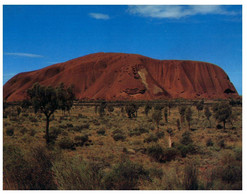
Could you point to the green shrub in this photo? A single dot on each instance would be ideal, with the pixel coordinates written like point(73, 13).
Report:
point(125, 176)
point(10, 131)
point(134, 132)
point(33, 132)
point(221, 144)
point(66, 143)
point(160, 134)
point(186, 138)
point(101, 131)
point(231, 173)
point(138, 131)
point(156, 172)
point(81, 140)
point(151, 138)
point(33, 119)
point(186, 149)
point(156, 152)
point(81, 127)
point(209, 142)
point(170, 154)
point(238, 154)
point(23, 130)
point(143, 130)
point(118, 137)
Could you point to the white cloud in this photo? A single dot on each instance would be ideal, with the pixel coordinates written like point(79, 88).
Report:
point(176, 11)
point(99, 16)
point(30, 55)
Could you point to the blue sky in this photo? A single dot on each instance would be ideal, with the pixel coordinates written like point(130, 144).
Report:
point(37, 36)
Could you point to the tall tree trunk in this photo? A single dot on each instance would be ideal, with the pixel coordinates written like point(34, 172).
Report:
point(209, 123)
point(224, 125)
point(47, 130)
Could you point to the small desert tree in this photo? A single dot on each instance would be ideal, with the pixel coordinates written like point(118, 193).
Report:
point(208, 114)
point(178, 125)
point(148, 107)
point(222, 112)
point(157, 117)
point(65, 97)
point(170, 105)
point(18, 109)
point(199, 106)
point(131, 110)
point(102, 107)
point(182, 110)
point(46, 100)
point(166, 114)
point(110, 108)
point(188, 116)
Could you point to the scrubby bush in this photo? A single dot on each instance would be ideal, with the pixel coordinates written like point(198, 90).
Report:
point(66, 143)
point(190, 176)
point(14, 168)
point(125, 176)
point(30, 173)
point(76, 174)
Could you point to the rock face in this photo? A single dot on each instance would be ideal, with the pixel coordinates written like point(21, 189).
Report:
point(117, 76)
